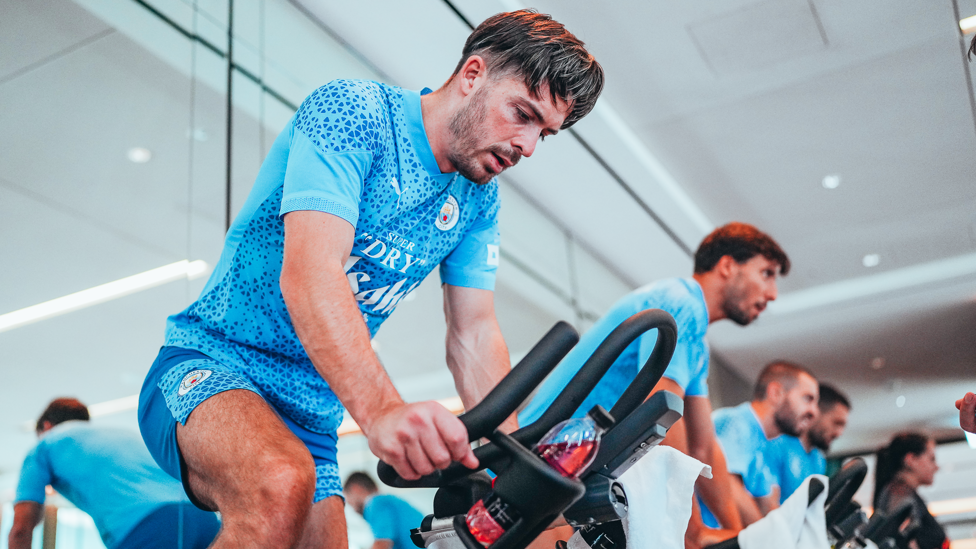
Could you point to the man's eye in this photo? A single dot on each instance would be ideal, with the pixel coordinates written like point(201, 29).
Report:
point(522, 115)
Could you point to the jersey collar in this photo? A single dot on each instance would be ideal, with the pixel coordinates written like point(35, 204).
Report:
point(418, 135)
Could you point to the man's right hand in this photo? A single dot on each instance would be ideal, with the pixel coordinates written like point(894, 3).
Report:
point(417, 439)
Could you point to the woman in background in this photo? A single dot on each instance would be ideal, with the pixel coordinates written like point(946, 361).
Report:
point(905, 464)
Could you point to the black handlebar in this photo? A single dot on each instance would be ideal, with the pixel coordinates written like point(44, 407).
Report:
point(500, 403)
point(842, 488)
point(572, 395)
point(592, 371)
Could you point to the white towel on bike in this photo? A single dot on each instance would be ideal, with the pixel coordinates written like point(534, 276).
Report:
point(797, 524)
point(659, 493)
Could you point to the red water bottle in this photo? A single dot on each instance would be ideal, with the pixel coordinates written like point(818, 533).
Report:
point(569, 448)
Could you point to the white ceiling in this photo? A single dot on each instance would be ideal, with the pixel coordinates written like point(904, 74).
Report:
point(730, 111)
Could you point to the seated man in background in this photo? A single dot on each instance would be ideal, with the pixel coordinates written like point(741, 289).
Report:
point(792, 459)
point(389, 517)
point(109, 474)
point(784, 400)
point(735, 277)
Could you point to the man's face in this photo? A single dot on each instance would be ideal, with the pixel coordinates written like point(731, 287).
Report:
point(499, 124)
point(356, 497)
point(798, 410)
point(829, 426)
point(751, 287)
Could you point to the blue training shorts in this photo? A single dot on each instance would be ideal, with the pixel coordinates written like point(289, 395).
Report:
point(178, 381)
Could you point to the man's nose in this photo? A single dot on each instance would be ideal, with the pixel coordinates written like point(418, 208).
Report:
point(525, 143)
point(771, 291)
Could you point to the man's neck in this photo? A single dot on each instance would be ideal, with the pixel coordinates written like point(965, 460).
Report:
point(805, 441)
point(435, 108)
point(712, 290)
point(766, 414)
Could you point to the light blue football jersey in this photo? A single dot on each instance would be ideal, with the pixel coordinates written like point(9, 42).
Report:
point(106, 472)
point(790, 463)
point(357, 150)
point(744, 443)
point(684, 300)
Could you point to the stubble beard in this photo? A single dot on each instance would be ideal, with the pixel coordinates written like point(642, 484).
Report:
point(467, 129)
point(733, 297)
point(818, 439)
point(786, 421)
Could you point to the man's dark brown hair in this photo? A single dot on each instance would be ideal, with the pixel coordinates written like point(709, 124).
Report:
point(742, 242)
point(540, 51)
point(61, 410)
point(782, 372)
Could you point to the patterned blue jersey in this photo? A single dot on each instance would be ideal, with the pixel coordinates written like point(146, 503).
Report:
point(357, 150)
point(790, 463)
point(684, 300)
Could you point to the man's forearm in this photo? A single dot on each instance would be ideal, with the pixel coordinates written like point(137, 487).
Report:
point(27, 515)
point(717, 492)
point(476, 352)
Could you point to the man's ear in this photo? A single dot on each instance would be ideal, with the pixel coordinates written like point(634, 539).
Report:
point(775, 391)
point(727, 266)
point(473, 75)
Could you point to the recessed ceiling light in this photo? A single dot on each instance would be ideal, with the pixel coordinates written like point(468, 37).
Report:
point(900, 401)
point(871, 260)
point(140, 155)
point(877, 363)
point(968, 24)
point(831, 181)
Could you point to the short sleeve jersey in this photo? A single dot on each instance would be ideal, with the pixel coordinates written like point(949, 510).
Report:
point(391, 518)
point(790, 463)
point(684, 300)
point(357, 150)
point(741, 437)
point(107, 473)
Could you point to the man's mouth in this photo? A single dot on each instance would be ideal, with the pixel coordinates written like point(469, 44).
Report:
point(503, 162)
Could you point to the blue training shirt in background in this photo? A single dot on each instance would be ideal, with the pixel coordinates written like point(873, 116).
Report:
point(790, 463)
point(357, 150)
point(391, 518)
point(106, 472)
point(684, 300)
point(743, 442)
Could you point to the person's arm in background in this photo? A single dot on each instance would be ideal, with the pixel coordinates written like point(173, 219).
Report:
point(770, 502)
point(694, 435)
point(383, 544)
point(746, 505)
point(27, 515)
point(967, 406)
point(476, 352)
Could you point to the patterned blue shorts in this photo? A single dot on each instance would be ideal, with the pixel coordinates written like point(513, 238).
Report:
point(178, 381)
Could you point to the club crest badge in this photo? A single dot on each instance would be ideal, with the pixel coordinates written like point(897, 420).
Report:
point(448, 216)
point(191, 380)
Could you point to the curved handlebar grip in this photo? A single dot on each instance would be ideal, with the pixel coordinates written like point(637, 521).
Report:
point(586, 379)
point(842, 487)
point(515, 387)
point(596, 366)
point(887, 525)
point(481, 420)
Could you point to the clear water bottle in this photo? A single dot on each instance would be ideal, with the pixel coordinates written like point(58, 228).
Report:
point(569, 447)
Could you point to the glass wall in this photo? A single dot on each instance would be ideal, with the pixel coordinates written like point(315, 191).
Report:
point(114, 162)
